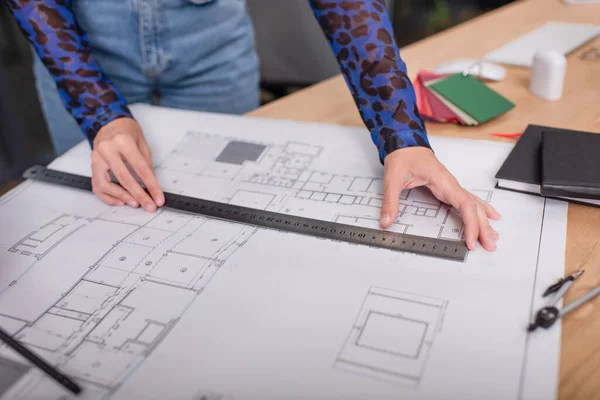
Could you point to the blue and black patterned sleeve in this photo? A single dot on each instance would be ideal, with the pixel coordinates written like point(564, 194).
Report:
point(87, 93)
point(359, 33)
point(361, 37)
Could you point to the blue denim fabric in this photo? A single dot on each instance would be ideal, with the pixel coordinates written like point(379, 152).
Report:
point(192, 54)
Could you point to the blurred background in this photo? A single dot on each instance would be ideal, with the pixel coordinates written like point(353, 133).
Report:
point(286, 32)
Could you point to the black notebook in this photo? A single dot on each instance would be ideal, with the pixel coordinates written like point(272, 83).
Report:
point(571, 164)
point(522, 169)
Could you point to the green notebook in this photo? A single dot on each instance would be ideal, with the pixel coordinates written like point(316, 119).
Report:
point(473, 97)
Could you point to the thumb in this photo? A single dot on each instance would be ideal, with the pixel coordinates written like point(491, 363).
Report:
point(391, 196)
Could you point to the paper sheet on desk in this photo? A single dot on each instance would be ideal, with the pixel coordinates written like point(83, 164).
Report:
point(171, 305)
point(563, 37)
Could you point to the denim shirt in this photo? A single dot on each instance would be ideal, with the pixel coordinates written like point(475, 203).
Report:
point(359, 33)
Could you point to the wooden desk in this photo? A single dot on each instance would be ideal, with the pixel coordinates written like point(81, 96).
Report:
point(330, 101)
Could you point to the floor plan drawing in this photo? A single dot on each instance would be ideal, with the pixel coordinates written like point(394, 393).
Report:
point(103, 326)
point(174, 305)
point(40, 242)
point(281, 178)
point(392, 336)
point(227, 159)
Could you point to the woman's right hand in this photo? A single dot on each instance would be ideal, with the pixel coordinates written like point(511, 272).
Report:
point(119, 142)
point(417, 166)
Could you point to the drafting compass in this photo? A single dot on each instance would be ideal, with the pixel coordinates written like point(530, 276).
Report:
point(548, 315)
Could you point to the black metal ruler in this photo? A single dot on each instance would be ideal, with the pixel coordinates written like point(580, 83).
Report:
point(433, 247)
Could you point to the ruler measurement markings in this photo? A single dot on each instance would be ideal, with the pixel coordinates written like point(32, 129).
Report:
point(433, 247)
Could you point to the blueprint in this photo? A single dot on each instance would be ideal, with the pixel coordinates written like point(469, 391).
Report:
point(179, 306)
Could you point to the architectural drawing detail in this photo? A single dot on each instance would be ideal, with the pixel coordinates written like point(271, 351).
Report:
point(39, 243)
point(281, 178)
point(107, 322)
point(392, 336)
point(115, 296)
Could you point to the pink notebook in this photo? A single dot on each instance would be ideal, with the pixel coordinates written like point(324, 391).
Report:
point(439, 110)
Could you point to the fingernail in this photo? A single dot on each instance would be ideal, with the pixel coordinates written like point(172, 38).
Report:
point(132, 203)
point(160, 200)
point(385, 219)
point(149, 207)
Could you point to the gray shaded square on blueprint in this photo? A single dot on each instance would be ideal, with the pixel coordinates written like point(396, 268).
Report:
point(237, 152)
point(10, 372)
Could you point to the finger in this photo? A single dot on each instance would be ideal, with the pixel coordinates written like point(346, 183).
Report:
point(125, 178)
point(102, 184)
point(489, 210)
point(468, 210)
point(467, 206)
point(143, 169)
point(103, 188)
point(495, 234)
point(111, 201)
point(487, 235)
point(99, 181)
point(118, 192)
point(392, 187)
